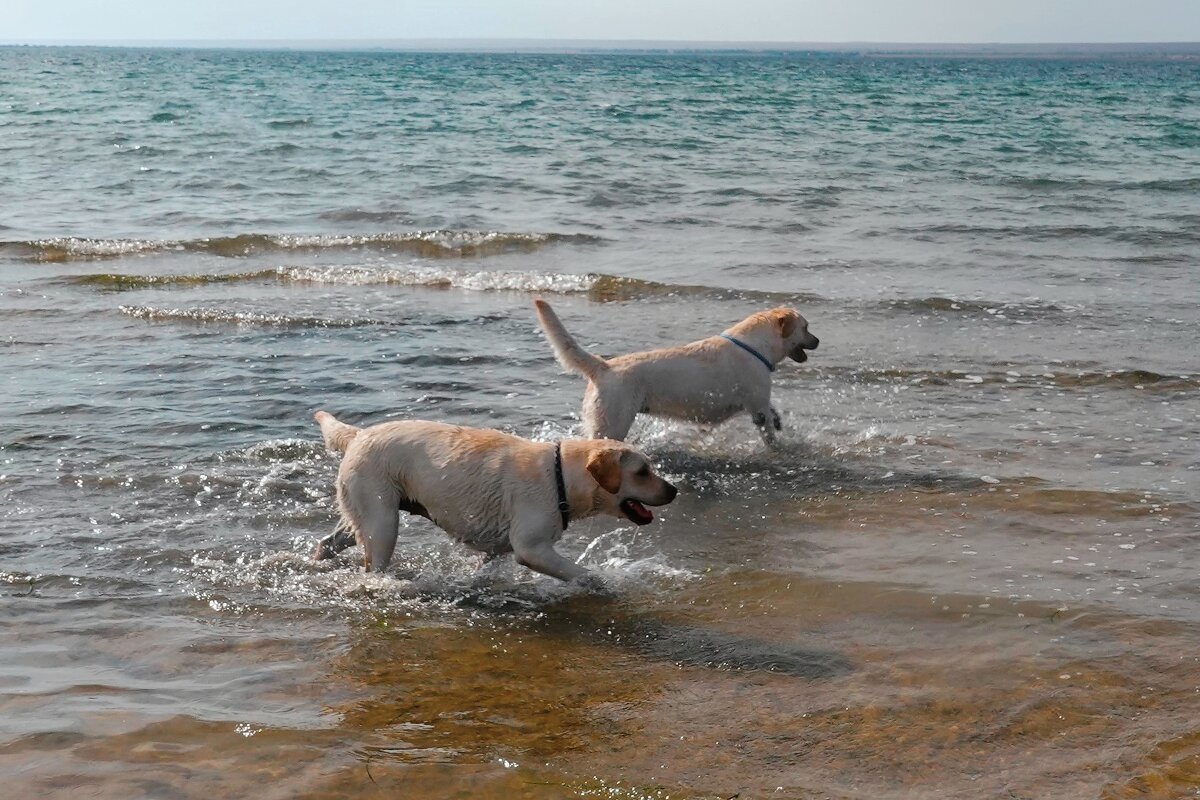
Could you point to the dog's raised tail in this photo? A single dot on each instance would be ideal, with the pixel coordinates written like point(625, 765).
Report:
point(566, 349)
point(337, 434)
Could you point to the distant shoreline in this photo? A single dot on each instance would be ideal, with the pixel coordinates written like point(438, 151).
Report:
point(1134, 50)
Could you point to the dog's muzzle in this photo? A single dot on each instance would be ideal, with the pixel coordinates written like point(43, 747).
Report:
point(798, 353)
point(636, 512)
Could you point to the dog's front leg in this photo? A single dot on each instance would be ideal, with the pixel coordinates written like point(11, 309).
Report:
point(545, 559)
point(768, 422)
point(532, 544)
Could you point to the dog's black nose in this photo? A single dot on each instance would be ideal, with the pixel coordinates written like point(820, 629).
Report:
point(816, 342)
point(671, 492)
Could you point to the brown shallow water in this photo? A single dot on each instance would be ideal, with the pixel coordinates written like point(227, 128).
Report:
point(939, 699)
point(750, 683)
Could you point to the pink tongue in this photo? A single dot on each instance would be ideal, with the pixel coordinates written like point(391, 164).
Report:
point(640, 509)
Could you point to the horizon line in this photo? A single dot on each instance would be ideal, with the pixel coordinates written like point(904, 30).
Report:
point(508, 43)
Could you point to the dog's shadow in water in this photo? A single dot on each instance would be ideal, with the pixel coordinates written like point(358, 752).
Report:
point(607, 622)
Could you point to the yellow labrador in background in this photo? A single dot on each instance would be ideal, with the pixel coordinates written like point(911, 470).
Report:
point(491, 491)
point(706, 381)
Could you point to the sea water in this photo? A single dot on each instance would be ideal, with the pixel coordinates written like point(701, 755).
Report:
point(970, 568)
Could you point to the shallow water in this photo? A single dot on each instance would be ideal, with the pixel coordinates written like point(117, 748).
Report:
point(968, 571)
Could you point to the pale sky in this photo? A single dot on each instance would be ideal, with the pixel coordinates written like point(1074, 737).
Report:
point(926, 21)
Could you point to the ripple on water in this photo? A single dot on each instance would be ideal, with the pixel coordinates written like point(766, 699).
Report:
point(426, 244)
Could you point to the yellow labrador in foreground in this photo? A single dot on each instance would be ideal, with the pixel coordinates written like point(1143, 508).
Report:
point(491, 491)
point(706, 381)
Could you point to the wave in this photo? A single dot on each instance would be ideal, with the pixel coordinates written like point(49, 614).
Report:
point(210, 315)
point(426, 244)
point(598, 286)
point(303, 122)
point(119, 282)
point(1030, 232)
point(1039, 233)
point(1073, 184)
point(476, 280)
point(999, 310)
point(1136, 379)
point(1129, 379)
point(366, 215)
point(430, 277)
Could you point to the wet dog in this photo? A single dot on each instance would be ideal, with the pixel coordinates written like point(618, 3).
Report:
point(492, 491)
point(707, 381)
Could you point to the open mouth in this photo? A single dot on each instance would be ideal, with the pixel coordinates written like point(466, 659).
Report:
point(798, 353)
point(636, 512)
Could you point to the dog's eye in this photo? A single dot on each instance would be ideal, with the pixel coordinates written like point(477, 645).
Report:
point(643, 472)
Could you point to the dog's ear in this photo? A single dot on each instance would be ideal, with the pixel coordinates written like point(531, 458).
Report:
point(605, 466)
point(787, 320)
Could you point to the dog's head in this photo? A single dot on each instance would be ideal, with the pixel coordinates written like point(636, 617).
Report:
point(793, 330)
point(627, 482)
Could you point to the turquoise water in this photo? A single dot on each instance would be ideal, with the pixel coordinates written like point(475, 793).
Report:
point(988, 480)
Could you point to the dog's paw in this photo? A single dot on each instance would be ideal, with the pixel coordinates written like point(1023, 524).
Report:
point(595, 585)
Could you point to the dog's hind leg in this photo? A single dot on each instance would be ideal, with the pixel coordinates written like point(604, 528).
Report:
point(607, 415)
point(341, 538)
point(372, 510)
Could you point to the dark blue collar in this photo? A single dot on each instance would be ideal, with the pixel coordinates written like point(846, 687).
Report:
point(564, 508)
point(770, 367)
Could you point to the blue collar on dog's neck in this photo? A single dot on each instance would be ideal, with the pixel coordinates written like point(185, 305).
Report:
point(770, 367)
point(564, 508)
